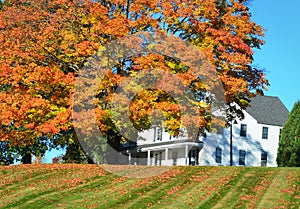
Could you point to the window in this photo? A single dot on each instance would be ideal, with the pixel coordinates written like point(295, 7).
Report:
point(243, 131)
point(280, 133)
point(158, 134)
point(242, 157)
point(264, 158)
point(218, 155)
point(265, 131)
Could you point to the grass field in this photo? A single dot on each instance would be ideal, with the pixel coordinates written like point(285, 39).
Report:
point(90, 186)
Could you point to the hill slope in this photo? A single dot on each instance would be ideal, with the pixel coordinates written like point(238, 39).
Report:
point(89, 186)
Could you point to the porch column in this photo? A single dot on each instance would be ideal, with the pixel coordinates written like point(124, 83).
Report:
point(129, 158)
point(186, 154)
point(166, 153)
point(148, 158)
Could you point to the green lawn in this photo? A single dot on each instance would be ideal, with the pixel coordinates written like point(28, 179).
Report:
point(90, 186)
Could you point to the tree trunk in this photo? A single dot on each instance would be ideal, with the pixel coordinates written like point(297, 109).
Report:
point(113, 149)
point(26, 159)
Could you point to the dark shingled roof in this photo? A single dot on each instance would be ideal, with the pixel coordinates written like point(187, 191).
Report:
point(268, 110)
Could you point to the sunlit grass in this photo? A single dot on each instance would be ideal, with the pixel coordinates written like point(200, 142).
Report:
point(90, 186)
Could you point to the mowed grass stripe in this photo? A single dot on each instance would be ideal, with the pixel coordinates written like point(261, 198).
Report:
point(85, 186)
point(283, 192)
point(42, 191)
point(218, 188)
point(254, 189)
point(72, 196)
point(151, 189)
point(16, 191)
point(54, 182)
point(29, 179)
point(157, 196)
point(248, 190)
point(206, 192)
point(21, 173)
point(102, 196)
point(190, 193)
point(15, 176)
point(54, 195)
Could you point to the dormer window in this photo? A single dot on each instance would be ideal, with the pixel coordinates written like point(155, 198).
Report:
point(158, 133)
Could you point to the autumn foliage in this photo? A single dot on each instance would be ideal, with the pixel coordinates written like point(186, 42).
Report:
point(44, 44)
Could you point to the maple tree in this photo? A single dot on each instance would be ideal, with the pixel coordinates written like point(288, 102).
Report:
point(44, 44)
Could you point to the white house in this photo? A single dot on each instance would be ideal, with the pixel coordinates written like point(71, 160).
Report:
point(254, 141)
point(157, 147)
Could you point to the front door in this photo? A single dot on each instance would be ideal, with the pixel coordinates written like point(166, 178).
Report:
point(194, 157)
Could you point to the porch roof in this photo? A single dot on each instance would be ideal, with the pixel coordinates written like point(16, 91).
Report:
point(169, 144)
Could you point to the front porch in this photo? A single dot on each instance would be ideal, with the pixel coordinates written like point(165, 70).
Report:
point(179, 152)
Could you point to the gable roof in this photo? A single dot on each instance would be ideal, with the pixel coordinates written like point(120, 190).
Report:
point(268, 110)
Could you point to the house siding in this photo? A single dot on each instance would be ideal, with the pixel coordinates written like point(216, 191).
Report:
point(253, 144)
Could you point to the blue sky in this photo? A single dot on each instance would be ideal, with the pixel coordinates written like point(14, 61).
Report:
point(280, 56)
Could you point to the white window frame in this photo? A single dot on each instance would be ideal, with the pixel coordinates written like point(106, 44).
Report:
point(264, 159)
point(242, 131)
point(265, 134)
point(218, 156)
point(242, 157)
point(158, 133)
